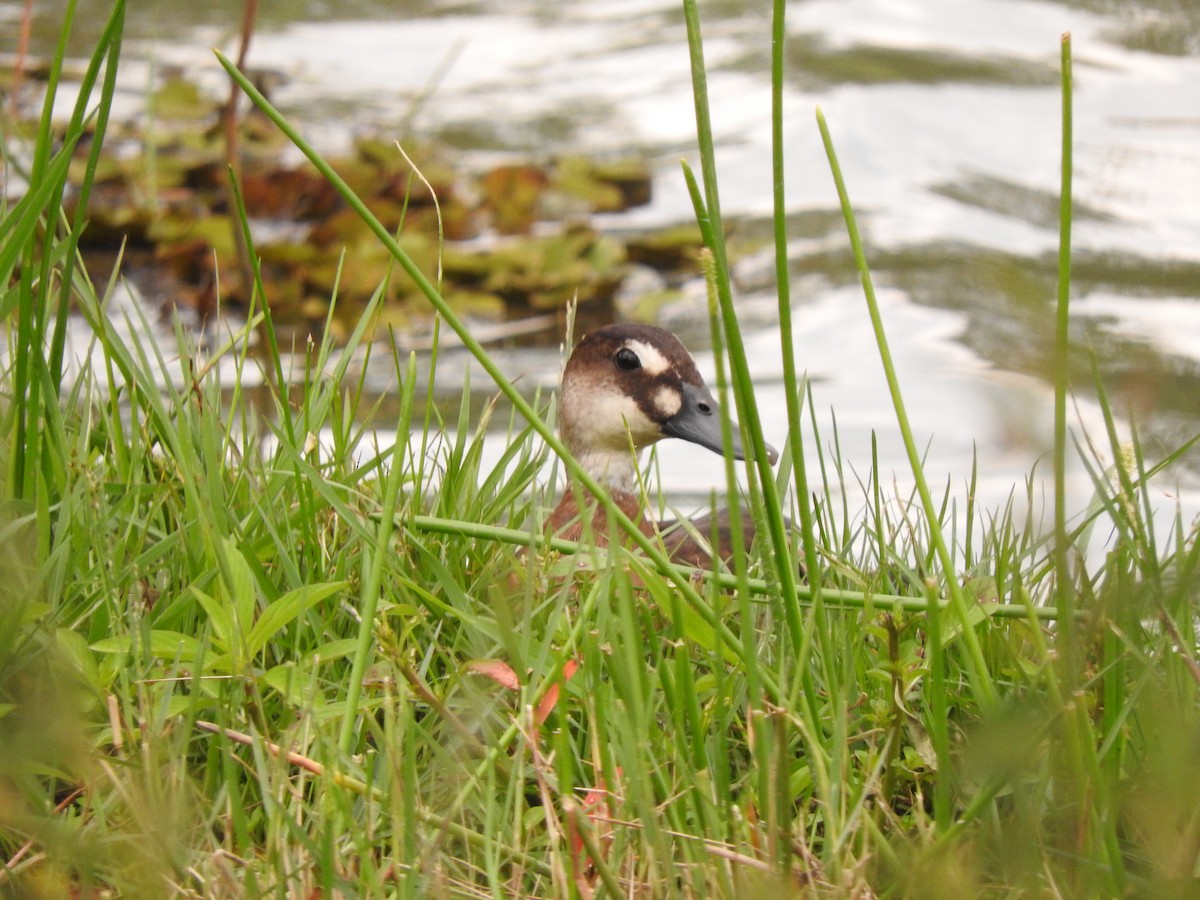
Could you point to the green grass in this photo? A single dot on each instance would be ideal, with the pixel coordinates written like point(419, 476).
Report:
point(950, 704)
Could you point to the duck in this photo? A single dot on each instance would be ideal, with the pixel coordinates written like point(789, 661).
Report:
point(625, 387)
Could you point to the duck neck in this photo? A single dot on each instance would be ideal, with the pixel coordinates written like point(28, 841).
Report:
point(615, 470)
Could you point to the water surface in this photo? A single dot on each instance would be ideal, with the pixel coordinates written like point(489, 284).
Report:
point(946, 115)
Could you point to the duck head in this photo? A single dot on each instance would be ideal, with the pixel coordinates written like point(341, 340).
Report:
point(632, 385)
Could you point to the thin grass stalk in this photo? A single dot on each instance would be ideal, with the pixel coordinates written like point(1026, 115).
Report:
point(792, 394)
point(1104, 765)
point(259, 293)
point(1146, 531)
point(373, 563)
point(232, 150)
point(19, 226)
point(434, 354)
point(26, 384)
point(37, 365)
point(758, 722)
point(977, 667)
point(1064, 597)
point(1084, 781)
point(266, 328)
point(125, 445)
point(736, 525)
point(1121, 511)
point(42, 149)
point(708, 216)
point(939, 731)
point(34, 310)
point(110, 45)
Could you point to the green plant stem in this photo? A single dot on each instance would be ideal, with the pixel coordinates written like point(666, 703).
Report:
point(708, 217)
point(841, 598)
point(793, 394)
point(1064, 596)
point(373, 564)
point(110, 46)
point(939, 724)
point(977, 668)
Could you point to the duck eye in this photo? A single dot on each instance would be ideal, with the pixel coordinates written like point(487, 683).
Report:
point(628, 360)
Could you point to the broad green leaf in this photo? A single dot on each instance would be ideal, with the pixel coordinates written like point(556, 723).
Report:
point(334, 650)
point(295, 685)
point(284, 610)
point(74, 646)
point(220, 616)
point(240, 587)
point(163, 644)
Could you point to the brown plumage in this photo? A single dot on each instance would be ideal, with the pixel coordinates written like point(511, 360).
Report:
point(624, 388)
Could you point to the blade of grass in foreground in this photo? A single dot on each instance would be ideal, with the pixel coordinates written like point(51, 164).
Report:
point(977, 667)
point(373, 563)
point(797, 668)
point(792, 393)
point(108, 53)
point(40, 317)
point(1064, 593)
point(708, 216)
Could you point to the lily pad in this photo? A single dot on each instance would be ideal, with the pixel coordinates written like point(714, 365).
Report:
point(176, 98)
point(547, 272)
point(296, 194)
point(612, 186)
point(671, 249)
point(216, 232)
point(513, 196)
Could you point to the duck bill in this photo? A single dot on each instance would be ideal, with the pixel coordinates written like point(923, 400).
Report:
point(699, 422)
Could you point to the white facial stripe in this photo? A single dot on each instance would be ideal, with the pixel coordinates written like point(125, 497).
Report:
point(667, 401)
point(653, 362)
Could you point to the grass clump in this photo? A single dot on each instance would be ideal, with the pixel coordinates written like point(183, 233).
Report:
point(251, 654)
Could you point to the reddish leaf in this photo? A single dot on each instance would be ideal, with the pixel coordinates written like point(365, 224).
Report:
point(570, 667)
point(497, 670)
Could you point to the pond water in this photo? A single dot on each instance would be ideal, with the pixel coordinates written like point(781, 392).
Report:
point(946, 117)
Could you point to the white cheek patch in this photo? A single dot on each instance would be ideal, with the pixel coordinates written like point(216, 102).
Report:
point(653, 362)
point(667, 402)
point(612, 419)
